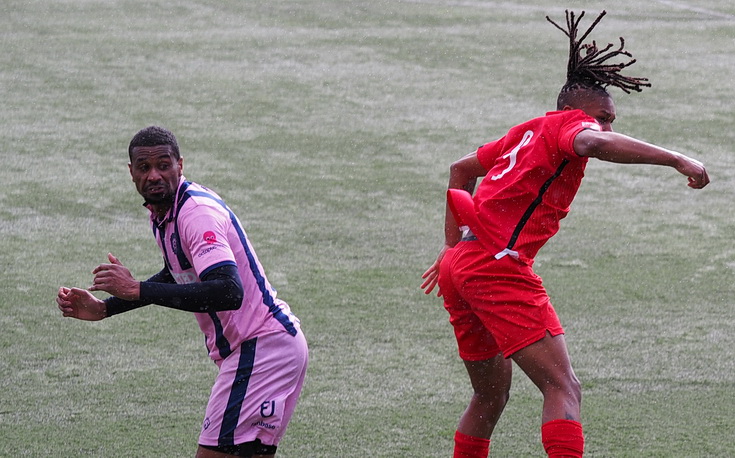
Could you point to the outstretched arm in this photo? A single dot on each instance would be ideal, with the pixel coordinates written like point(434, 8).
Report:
point(81, 304)
point(614, 147)
point(463, 174)
point(220, 289)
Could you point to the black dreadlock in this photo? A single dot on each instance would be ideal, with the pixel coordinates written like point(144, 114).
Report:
point(588, 68)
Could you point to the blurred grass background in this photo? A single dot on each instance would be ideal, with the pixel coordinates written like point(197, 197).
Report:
point(328, 127)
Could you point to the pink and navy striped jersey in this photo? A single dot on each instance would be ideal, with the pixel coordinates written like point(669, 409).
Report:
point(201, 233)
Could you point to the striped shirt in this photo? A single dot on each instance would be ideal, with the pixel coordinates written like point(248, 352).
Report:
point(201, 233)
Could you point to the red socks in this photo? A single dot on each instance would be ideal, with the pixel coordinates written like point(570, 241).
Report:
point(470, 447)
point(563, 438)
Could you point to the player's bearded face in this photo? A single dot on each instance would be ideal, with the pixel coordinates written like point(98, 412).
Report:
point(156, 174)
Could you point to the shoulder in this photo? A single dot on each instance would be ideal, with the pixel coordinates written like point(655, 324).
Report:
point(198, 199)
point(567, 117)
point(567, 125)
point(197, 194)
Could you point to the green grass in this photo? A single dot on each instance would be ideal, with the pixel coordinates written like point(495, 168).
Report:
point(328, 126)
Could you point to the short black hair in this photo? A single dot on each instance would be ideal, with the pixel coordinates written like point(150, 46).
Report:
point(154, 136)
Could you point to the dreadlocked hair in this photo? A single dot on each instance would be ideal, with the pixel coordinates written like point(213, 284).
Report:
point(588, 67)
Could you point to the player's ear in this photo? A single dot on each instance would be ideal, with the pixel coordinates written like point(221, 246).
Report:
point(130, 168)
point(181, 166)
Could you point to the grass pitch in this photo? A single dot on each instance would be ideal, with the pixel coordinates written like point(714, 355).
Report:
point(328, 126)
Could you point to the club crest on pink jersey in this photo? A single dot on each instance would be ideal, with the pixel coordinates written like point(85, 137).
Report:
point(174, 240)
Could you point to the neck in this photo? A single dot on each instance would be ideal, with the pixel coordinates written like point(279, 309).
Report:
point(159, 210)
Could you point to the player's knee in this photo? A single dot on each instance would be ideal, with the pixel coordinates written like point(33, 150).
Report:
point(493, 394)
point(575, 388)
point(567, 386)
point(504, 398)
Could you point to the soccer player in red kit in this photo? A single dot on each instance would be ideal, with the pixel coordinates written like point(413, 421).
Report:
point(497, 305)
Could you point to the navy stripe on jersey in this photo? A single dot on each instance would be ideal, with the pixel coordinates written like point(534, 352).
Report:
point(237, 392)
point(176, 239)
point(536, 202)
point(184, 186)
point(260, 280)
point(160, 232)
point(223, 345)
point(162, 236)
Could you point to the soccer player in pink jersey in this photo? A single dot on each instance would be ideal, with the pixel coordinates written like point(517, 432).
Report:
point(497, 305)
point(210, 269)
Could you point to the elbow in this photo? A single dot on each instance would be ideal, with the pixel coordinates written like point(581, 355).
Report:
point(456, 169)
point(238, 300)
point(463, 175)
point(462, 167)
point(229, 298)
point(234, 296)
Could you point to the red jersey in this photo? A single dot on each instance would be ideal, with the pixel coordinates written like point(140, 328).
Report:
point(533, 176)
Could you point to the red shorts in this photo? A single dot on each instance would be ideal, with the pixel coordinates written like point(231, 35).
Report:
point(495, 305)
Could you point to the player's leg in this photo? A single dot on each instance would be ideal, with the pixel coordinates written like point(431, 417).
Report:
point(491, 381)
point(510, 301)
point(489, 372)
point(515, 307)
point(546, 362)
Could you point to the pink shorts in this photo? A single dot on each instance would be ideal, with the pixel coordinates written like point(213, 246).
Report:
point(256, 390)
point(494, 305)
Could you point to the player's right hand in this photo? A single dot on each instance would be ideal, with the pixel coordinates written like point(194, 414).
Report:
point(431, 276)
point(80, 304)
point(116, 279)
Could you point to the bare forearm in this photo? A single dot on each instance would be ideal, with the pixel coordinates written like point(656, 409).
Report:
point(614, 147)
point(452, 233)
point(463, 174)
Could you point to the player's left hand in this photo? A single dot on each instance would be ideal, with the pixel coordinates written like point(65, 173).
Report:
point(80, 304)
point(694, 170)
point(116, 279)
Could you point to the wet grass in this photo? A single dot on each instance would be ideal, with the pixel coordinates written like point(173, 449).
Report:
point(328, 126)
